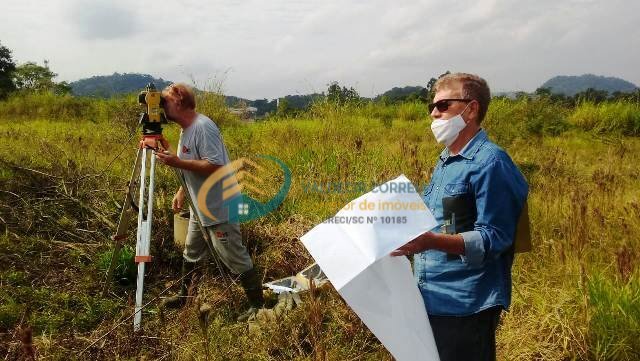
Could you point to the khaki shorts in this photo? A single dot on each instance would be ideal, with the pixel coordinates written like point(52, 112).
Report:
point(227, 243)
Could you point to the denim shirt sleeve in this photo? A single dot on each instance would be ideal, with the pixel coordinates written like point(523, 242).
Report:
point(500, 192)
point(473, 248)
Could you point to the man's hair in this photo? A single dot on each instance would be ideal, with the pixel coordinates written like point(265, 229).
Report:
point(182, 93)
point(473, 87)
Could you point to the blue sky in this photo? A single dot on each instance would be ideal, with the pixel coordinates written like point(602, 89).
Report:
point(258, 49)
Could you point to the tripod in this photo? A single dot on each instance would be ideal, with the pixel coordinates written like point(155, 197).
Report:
point(144, 167)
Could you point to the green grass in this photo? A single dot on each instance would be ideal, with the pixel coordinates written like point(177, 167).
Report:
point(614, 325)
point(125, 269)
point(576, 296)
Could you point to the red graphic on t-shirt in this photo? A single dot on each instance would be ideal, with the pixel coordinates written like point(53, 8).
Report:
point(185, 150)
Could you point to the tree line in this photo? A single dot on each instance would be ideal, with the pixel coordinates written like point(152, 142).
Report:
point(29, 76)
point(33, 77)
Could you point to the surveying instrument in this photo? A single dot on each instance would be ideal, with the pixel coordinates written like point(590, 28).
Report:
point(151, 120)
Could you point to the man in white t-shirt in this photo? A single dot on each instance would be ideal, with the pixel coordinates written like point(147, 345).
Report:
point(201, 152)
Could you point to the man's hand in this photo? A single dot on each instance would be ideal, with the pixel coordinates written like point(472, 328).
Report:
point(178, 201)
point(416, 245)
point(168, 158)
point(449, 243)
point(155, 143)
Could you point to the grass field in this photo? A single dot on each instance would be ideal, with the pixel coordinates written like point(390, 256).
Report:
point(64, 163)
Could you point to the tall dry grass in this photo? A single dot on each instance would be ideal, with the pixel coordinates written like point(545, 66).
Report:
point(576, 296)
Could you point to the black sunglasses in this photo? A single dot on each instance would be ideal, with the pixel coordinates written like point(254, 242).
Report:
point(444, 104)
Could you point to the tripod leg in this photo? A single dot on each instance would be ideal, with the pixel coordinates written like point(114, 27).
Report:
point(152, 176)
point(123, 222)
point(144, 231)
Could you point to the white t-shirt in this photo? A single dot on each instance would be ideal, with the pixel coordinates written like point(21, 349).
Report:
point(202, 140)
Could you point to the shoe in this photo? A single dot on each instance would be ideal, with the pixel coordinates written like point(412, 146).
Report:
point(250, 281)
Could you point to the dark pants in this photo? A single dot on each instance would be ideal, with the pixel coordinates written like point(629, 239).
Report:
point(467, 338)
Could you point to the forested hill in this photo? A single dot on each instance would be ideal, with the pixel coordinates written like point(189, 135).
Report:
point(571, 85)
point(105, 86)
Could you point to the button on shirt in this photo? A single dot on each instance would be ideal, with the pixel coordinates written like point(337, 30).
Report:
point(481, 278)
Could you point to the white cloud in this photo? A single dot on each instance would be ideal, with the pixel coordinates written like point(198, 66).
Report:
point(271, 48)
point(103, 19)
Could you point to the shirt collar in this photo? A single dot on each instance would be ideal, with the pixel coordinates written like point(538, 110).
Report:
point(470, 149)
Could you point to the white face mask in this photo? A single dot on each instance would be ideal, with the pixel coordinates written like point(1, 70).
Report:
point(446, 131)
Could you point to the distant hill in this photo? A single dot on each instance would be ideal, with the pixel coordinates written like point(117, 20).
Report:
point(396, 94)
point(571, 85)
point(105, 86)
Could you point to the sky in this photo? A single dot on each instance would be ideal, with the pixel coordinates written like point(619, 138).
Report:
point(266, 49)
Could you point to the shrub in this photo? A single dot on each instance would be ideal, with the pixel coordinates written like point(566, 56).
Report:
point(511, 119)
point(618, 117)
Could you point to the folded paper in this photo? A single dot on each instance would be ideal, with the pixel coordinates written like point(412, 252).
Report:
point(353, 247)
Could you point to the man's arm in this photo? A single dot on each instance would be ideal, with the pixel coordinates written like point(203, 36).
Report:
point(178, 200)
point(449, 243)
point(501, 192)
point(200, 166)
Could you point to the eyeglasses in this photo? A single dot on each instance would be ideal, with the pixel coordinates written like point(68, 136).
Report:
point(444, 104)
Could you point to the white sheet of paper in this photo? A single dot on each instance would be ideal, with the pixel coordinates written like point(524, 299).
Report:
point(387, 300)
point(379, 288)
